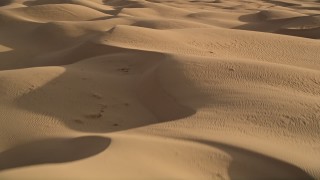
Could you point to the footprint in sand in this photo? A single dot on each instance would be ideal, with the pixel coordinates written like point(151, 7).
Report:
point(96, 95)
point(94, 116)
point(125, 70)
point(78, 121)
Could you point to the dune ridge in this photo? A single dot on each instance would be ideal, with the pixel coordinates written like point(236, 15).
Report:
point(159, 89)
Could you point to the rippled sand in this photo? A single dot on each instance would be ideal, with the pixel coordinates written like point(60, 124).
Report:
point(159, 89)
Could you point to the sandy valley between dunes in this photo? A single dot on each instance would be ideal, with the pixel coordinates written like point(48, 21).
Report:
point(159, 89)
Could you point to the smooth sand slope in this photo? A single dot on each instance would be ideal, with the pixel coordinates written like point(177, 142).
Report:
point(159, 89)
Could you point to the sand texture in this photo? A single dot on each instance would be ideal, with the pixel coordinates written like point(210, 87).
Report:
point(159, 89)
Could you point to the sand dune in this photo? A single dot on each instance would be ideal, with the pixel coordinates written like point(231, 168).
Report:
point(159, 89)
point(52, 151)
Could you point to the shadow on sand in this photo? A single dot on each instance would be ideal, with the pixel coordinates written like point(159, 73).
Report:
point(248, 164)
point(55, 150)
point(107, 93)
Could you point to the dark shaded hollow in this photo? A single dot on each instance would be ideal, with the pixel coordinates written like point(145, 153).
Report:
point(51, 151)
point(101, 120)
point(5, 2)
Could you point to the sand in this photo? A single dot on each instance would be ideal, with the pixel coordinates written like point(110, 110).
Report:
point(159, 89)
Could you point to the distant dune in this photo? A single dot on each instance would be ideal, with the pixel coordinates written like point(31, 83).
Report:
point(159, 89)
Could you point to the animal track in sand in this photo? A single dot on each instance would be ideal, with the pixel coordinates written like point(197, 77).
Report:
point(32, 87)
point(96, 95)
point(125, 70)
point(126, 104)
point(100, 113)
point(78, 121)
point(94, 116)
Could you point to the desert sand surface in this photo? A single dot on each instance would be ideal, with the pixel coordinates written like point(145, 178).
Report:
point(159, 89)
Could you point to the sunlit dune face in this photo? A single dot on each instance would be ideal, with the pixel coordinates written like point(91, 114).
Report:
point(160, 89)
point(4, 48)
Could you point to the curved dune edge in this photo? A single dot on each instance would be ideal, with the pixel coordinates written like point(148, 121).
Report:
point(52, 151)
point(158, 101)
point(219, 160)
point(247, 164)
point(223, 89)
